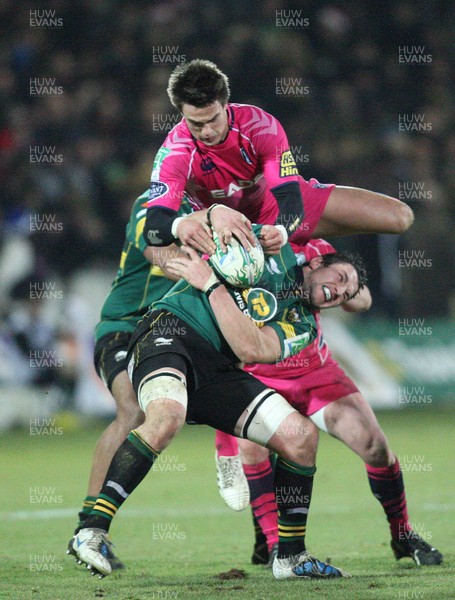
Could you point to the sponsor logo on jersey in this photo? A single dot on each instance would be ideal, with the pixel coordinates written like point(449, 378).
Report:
point(295, 344)
point(245, 156)
point(207, 165)
point(239, 298)
point(262, 304)
point(319, 185)
point(233, 188)
point(153, 237)
point(157, 189)
point(287, 165)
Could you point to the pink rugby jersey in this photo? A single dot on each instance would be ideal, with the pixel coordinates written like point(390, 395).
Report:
point(240, 172)
point(316, 353)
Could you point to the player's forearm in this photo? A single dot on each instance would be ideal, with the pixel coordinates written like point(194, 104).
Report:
point(158, 226)
point(248, 342)
point(159, 256)
point(290, 206)
point(360, 303)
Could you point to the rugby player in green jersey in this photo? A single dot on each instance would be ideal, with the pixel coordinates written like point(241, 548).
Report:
point(141, 279)
point(183, 361)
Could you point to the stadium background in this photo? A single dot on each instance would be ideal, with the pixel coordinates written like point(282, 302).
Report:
point(363, 92)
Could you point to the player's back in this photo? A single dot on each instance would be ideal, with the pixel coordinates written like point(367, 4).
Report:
point(138, 283)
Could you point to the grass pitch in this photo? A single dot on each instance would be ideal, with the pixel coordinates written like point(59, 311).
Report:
point(176, 535)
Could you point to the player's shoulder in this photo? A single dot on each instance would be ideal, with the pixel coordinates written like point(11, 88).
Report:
point(253, 119)
point(179, 140)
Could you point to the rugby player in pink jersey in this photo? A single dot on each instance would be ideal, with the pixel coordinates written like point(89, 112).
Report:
point(314, 384)
point(228, 155)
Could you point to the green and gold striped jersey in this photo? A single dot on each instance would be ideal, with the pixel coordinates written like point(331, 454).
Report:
point(276, 301)
point(138, 283)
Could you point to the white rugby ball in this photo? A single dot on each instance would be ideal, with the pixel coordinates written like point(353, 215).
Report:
point(237, 266)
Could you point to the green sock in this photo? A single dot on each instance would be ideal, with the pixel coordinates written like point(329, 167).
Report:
point(293, 487)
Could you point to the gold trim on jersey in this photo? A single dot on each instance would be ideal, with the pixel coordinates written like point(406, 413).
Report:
point(139, 230)
point(124, 256)
point(288, 329)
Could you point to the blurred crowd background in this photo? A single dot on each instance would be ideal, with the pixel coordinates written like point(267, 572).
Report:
point(111, 60)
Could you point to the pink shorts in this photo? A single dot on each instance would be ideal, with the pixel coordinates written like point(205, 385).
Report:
point(311, 391)
point(315, 196)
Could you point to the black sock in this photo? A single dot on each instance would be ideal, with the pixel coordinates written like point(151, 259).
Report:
point(262, 499)
point(129, 466)
point(387, 486)
point(258, 534)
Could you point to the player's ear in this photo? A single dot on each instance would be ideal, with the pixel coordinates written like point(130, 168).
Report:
point(315, 262)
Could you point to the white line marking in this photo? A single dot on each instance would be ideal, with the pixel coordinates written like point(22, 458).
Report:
point(63, 513)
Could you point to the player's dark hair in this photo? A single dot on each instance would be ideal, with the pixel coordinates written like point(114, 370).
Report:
point(353, 259)
point(199, 83)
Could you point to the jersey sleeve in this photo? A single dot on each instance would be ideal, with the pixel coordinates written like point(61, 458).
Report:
point(135, 226)
point(296, 329)
point(280, 170)
point(274, 153)
point(170, 173)
point(169, 176)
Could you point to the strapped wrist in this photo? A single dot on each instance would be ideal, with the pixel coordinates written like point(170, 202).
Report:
point(213, 287)
point(284, 234)
point(212, 280)
point(209, 211)
point(175, 224)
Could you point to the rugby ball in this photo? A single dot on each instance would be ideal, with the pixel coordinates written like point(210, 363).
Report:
point(237, 266)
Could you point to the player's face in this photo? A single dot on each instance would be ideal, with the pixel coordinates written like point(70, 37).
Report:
point(209, 124)
point(327, 287)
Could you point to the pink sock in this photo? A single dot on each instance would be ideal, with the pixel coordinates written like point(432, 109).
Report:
point(226, 445)
point(262, 499)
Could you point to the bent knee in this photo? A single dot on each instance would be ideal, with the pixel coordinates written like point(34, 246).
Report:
point(252, 453)
point(297, 439)
point(130, 416)
point(376, 451)
point(161, 424)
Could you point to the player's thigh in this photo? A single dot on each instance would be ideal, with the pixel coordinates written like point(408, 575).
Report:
point(315, 196)
point(351, 420)
point(124, 395)
point(349, 210)
point(110, 364)
point(159, 382)
point(110, 356)
point(239, 404)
